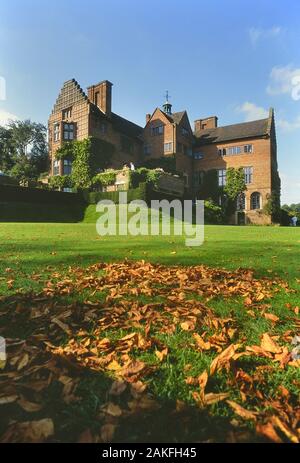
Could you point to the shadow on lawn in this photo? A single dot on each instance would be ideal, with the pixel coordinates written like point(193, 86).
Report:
point(78, 399)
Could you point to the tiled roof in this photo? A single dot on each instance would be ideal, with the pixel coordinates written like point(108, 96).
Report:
point(175, 117)
point(233, 132)
point(125, 126)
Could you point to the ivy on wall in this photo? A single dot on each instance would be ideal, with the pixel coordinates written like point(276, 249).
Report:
point(88, 156)
point(61, 181)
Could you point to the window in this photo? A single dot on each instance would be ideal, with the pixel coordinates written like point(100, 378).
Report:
point(56, 132)
point(184, 131)
point(159, 130)
point(222, 177)
point(56, 168)
point(198, 178)
point(179, 147)
point(147, 149)
point(67, 167)
point(248, 171)
point(255, 201)
point(233, 150)
point(67, 113)
point(68, 131)
point(248, 149)
point(198, 155)
point(241, 202)
point(222, 152)
point(67, 190)
point(96, 98)
point(168, 147)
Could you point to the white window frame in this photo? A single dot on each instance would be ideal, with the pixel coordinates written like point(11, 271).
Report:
point(221, 177)
point(56, 131)
point(248, 171)
point(168, 147)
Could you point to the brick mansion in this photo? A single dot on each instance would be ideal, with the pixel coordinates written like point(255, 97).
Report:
point(195, 150)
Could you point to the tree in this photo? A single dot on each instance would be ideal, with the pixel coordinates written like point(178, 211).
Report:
point(6, 150)
point(23, 149)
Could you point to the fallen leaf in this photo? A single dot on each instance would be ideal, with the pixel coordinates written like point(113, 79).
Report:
point(242, 412)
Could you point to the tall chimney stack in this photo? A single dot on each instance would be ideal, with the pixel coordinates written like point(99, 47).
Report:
point(101, 95)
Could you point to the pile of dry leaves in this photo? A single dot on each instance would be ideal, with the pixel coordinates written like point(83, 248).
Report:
point(65, 339)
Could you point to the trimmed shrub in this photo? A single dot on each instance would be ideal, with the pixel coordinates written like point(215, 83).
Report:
point(37, 195)
point(132, 194)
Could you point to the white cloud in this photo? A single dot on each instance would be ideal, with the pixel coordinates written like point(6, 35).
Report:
point(290, 188)
point(252, 112)
point(282, 79)
point(288, 126)
point(257, 33)
point(5, 117)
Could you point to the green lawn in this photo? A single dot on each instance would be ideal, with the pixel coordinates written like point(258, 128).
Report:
point(33, 253)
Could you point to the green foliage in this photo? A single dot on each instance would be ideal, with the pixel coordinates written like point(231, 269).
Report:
point(212, 214)
point(167, 163)
point(144, 175)
point(88, 157)
point(40, 212)
point(106, 178)
point(272, 206)
point(23, 150)
point(61, 181)
point(132, 194)
point(285, 218)
point(37, 195)
point(66, 151)
point(235, 183)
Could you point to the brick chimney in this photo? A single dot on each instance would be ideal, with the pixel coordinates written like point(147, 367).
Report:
point(207, 123)
point(100, 95)
point(148, 117)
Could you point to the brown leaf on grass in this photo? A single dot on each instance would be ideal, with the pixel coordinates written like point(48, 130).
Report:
point(200, 342)
point(202, 380)
point(86, 437)
point(241, 411)
point(272, 317)
point(267, 430)
point(117, 388)
point(269, 345)
point(290, 434)
point(187, 325)
point(212, 398)
point(223, 360)
point(8, 399)
point(107, 432)
point(23, 361)
point(161, 354)
point(30, 407)
point(191, 381)
point(61, 325)
point(112, 409)
point(29, 431)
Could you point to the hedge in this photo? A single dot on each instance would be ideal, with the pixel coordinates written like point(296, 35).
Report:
point(40, 212)
point(132, 194)
point(37, 195)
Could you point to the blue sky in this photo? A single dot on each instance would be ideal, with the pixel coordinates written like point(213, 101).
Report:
point(229, 58)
